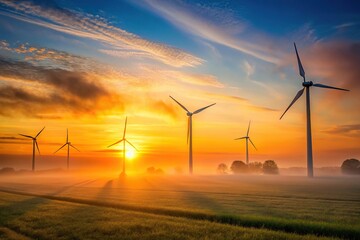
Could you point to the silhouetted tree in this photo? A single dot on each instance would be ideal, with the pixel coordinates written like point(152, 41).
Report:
point(222, 168)
point(255, 167)
point(153, 170)
point(350, 166)
point(238, 167)
point(7, 170)
point(159, 171)
point(150, 170)
point(270, 167)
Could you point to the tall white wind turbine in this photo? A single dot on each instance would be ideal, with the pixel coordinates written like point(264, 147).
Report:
point(189, 131)
point(124, 140)
point(306, 86)
point(247, 138)
point(68, 147)
point(34, 139)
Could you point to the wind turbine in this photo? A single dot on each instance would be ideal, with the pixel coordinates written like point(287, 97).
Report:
point(247, 138)
point(307, 85)
point(68, 147)
point(189, 132)
point(124, 140)
point(34, 143)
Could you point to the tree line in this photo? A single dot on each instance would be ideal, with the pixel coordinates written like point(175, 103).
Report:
point(239, 167)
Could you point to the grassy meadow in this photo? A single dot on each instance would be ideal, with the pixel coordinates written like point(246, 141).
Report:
point(73, 206)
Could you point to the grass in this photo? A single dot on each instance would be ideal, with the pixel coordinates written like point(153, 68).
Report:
point(39, 218)
point(293, 206)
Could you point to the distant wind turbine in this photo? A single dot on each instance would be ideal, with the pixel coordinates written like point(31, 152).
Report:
point(68, 147)
point(123, 173)
point(189, 131)
point(307, 86)
point(34, 143)
point(247, 138)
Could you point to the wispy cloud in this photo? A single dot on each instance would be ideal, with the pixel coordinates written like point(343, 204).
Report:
point(96, 28)
point(213, 24)
point(182, 76)
point(239, 100)
point(345, 25)
point(351, 129)
point(248, 68)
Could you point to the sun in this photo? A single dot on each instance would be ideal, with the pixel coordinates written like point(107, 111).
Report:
point(130, 154)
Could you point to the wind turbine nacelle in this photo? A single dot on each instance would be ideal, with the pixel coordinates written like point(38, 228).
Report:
point(307, 84)
point(189, 114)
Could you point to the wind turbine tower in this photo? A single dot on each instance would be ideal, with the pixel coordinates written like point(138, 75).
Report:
point(34, 140)
point(189, 130)
point(68, 147)
point(306, 87)
point(124, 140)
point(247, 138)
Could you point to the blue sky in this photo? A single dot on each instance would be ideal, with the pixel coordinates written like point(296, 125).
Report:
point(126, 57)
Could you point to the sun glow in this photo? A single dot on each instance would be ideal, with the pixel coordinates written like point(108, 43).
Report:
point(130, 154)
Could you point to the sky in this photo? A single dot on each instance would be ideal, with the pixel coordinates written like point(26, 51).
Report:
point(86, 65)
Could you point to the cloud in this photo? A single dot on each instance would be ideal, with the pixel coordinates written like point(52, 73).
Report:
point(215, 25)
point(40, 91)
point(50, 16)
point(40, 56)
point(345, 25)
point(182, 76)
point(239, 100)
point(351, 130)
point(248, 68)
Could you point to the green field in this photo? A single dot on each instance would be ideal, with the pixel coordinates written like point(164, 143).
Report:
point(199, 207)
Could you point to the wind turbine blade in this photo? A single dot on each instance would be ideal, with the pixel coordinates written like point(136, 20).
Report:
point(60, 148)
point(37, 146)
point(301, 69)
point(67, 135)
point(188, 131)
point(298, 95)
point(202, 109)
point(131, 145)
point(179, 104)
point(125, 127)
point(247, 133)
point(252, 144)
point(39, 132)
point(74, 147)
point(26, 136)
point(116, 143)
point(240, 138)
point(325, 86)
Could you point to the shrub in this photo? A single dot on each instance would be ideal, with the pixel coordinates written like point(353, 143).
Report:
point(270, 167)
point(238, 167)
point(222, 168)
point(350, 166)
point(255, 167)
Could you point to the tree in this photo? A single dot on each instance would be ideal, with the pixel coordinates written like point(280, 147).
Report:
point(238, 167)
point(150, 170)
point(222, 168)
point(350, 166)
point(153, 170)
point(270, 167)
point(7, 170)
point(255, 167)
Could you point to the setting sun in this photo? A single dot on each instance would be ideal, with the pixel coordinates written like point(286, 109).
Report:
point(130, 154)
